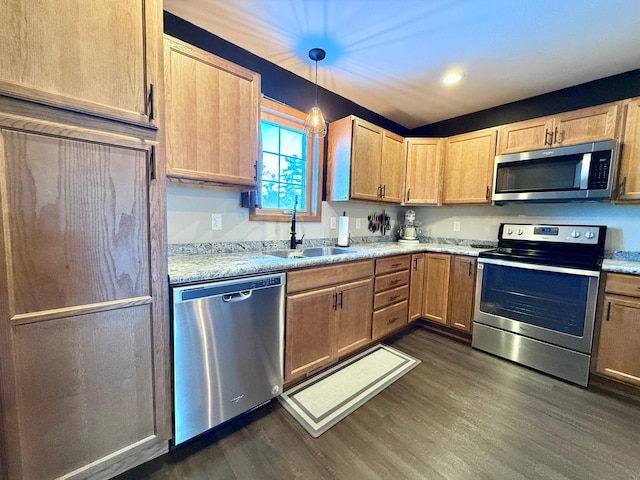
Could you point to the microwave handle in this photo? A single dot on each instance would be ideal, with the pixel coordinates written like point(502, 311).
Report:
point(585, 165)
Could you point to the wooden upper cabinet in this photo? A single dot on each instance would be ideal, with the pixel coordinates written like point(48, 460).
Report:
point(364, 162)
point(423, 171)
point(392, 167)
point(629, 171)
point(468, 168)
point(366, 158)
point(212, 114)
point(97, 57)
point(578, 126)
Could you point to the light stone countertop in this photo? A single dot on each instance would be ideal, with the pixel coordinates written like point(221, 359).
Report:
point(621, 266)
point(202, 268)
point(205, 267)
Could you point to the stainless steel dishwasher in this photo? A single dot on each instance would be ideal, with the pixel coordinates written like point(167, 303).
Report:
point(227, 350)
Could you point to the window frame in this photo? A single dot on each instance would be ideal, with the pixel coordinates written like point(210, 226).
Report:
point(288, 117)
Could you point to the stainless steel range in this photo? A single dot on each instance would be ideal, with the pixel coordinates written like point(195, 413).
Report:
point(536, 297)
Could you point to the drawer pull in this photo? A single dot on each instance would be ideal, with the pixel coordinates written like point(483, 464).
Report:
point(393, 282)
point(392, 320)
point(608, 311)
point(394, 297)
point(396, 265)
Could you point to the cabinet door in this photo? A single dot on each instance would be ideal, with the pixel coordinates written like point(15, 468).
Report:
point(619, 341)
point(82, 326)
point(629, 176)
point(392, 167)
point(436, 287)
point(309, 332)
point(416, 287)
point(462, 288)
point(468, 168)
point(353, 319)
point(424, 171)
point(89, 56)
point(587, 125)
point(365, 161)
point(212, 111)
point(524, 136)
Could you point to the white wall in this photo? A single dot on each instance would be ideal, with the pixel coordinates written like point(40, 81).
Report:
point(481, 222)
point(189, 212)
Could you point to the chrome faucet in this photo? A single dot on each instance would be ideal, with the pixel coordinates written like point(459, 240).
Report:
point(294, 243)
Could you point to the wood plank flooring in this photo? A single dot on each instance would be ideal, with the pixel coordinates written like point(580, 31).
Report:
point(461, 414)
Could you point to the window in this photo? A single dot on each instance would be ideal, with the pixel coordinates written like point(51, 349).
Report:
point(290, 162)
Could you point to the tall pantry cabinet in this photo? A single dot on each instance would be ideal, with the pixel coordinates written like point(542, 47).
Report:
point(83, 330)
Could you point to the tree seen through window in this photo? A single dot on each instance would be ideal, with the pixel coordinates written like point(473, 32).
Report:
point(283, 167)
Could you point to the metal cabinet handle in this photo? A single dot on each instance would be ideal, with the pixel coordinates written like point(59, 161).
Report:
point(335, 301)
point(555, 136)
point(394, 297)
point(150, 103)
point(340, 299)
point(470, 268)
point(384, 191)
point(608, 311)
point(548, 137)
point(408, 194)
point(393, 282)
point(488, 193)
point(392, 320)
point(415, 264)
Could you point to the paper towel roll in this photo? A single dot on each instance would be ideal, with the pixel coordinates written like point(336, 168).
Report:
point(343, 231)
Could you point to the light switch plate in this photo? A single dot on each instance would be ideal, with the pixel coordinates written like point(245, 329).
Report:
point(456, 226)
point(333, 222)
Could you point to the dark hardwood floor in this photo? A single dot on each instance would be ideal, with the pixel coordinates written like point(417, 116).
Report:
point(461, 414)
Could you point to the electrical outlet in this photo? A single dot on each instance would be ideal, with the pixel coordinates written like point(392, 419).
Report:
point(358, 223)
point(216, 221)
point(456, 226)
point(333, 222)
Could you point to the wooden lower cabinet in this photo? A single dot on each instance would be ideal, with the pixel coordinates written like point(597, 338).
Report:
point(391, 295)
point(328, 315)
point(449, 289)
point(416, 286)
point(83, 332)
point(436, 287)
point(462, 284)
point(618, 341)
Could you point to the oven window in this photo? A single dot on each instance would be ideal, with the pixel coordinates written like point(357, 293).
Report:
point(557, 301)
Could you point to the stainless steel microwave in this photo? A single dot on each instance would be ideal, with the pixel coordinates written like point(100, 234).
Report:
point(577, 172)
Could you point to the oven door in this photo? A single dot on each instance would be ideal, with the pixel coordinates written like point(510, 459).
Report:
point(552, 304)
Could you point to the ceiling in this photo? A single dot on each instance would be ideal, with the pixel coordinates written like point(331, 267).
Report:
point(390, 56)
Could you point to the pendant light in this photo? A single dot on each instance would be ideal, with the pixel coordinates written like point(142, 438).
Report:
point(314, 125)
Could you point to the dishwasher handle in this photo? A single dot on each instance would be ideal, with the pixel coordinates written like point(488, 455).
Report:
point(238, 296)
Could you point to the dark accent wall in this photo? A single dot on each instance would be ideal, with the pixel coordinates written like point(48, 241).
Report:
point(604, 90)
point(277, 83)
point(299, 93)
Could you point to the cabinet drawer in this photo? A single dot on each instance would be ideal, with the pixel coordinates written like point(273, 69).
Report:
point(316, 277)
point(390, 318)
point(623, 284)
point(393, 280)
point(392, 264)
point(388, 297)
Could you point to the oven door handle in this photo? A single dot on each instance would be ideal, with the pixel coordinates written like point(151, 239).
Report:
point(544, 268)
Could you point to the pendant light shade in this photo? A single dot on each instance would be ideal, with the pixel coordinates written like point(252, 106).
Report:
point(314, 125)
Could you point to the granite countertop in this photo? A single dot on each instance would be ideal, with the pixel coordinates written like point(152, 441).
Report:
point(200, 268)
point(214, 266)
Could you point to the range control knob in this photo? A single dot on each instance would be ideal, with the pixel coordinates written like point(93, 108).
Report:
point(519, 231)
point(509, 231)
point(575, 234)
point(589, 234)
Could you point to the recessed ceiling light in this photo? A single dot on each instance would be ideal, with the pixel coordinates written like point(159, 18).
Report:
point(452, 78)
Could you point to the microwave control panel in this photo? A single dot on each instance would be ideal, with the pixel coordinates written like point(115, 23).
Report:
point(599, 170)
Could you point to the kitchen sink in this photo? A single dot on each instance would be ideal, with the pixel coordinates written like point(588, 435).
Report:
point(310, 252)
point(325, 251)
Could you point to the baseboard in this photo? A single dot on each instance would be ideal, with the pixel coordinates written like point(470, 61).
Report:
point(615, 388)
point(444, 330)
